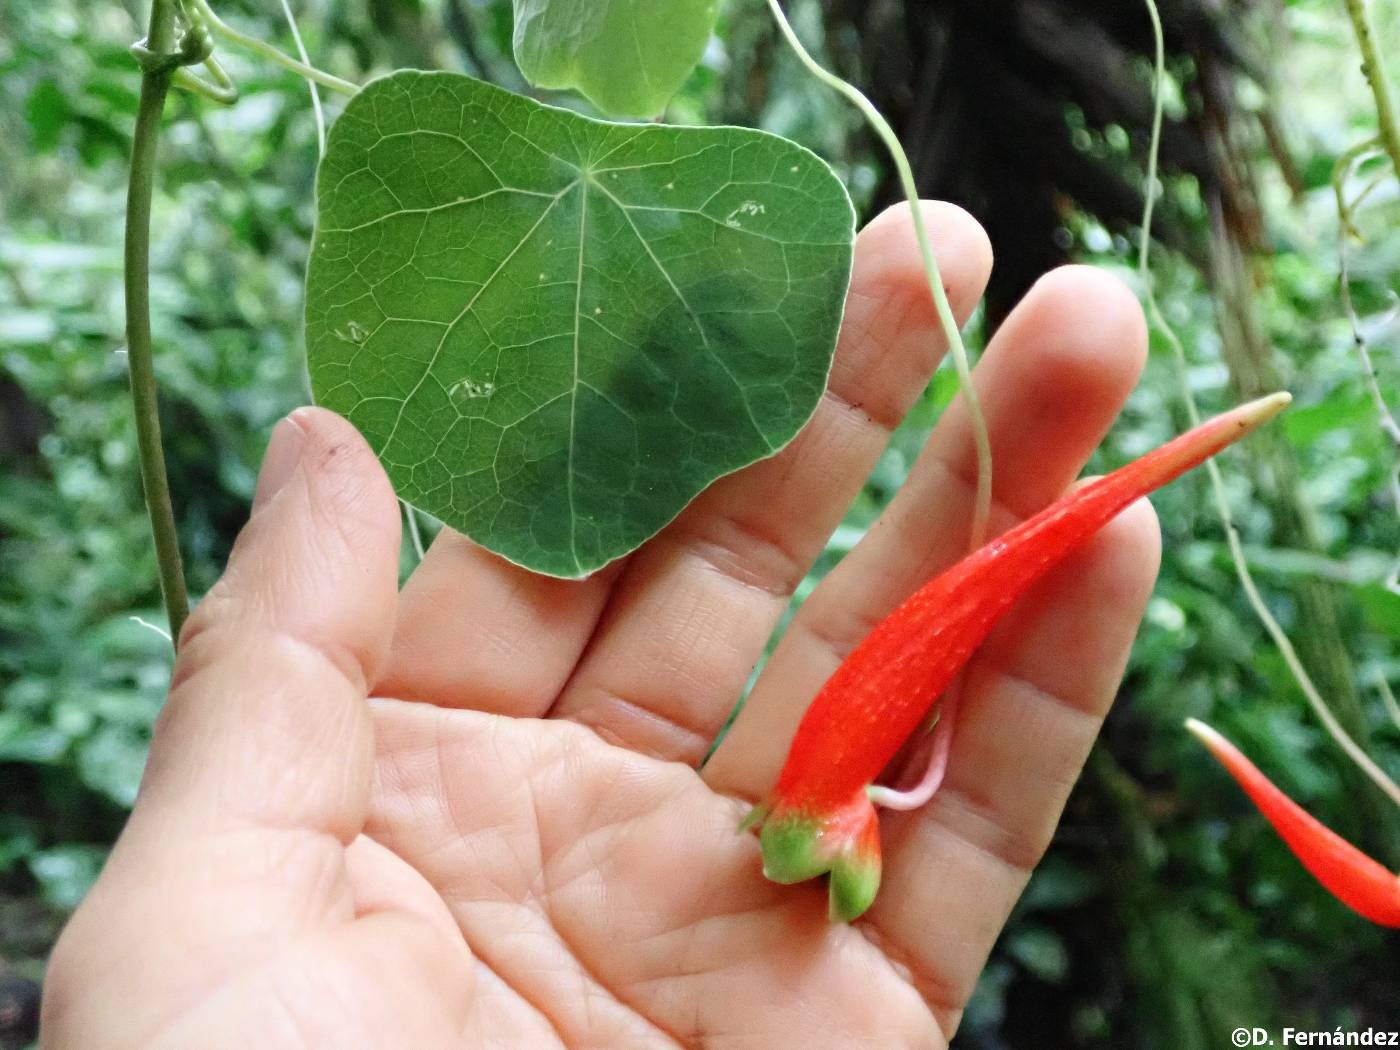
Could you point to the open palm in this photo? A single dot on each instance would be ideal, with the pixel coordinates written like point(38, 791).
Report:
point(509, 845)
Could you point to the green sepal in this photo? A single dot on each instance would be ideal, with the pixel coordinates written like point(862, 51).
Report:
point(792, 849)
point(855, 879)
point(799, 844)
point(754, 817)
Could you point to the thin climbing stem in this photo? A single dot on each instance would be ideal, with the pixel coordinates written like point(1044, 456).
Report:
point(1323, 711)
point(221, 90)
point(1388, 698)
point(978, 421)
point(1385, 419)
point(265, 49)
point(1373, 65)
point(1159, 72)
point(1217, 482)
point(1341, 171)
point(155, 86)
point(415, 532)
point(316, 108)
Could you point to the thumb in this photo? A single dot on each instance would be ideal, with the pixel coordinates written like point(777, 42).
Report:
point(266, 723)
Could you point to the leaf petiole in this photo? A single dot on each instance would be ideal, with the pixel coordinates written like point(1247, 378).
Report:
point(316, 108)
point(222, 90)
point(877, 121)
point(261, 47)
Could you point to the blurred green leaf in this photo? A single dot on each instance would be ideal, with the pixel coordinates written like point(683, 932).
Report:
point(1041, 952)
point(48, 113)
point(66, 873)
point(1344, 410)
point(1382, 608)
point(627, 57)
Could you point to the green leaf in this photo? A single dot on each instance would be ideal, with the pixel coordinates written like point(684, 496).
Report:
point(628, 57)
point(555, 331)
point(1343, 410)
point(1382, 608)
point(48, 113)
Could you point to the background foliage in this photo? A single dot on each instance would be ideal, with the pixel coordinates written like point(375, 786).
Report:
point(1166, 913)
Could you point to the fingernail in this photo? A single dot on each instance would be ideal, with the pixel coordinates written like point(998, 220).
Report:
point(280, 462)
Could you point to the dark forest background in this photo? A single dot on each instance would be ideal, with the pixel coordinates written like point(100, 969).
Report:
point(1166, 913)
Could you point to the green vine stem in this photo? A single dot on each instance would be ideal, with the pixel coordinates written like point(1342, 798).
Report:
point(1392, 708)
point(1346, 211)
point(155, 86)
point(316, 108)
point(1373, 65)
point(1346, 163)
point(265, 49)
point(415, 532)
point(221, 90)
point(1217, 482)
point(983, 506)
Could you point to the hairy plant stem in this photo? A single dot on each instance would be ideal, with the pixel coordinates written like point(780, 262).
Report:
point(155, 85)
point(976, 418)
point(1373, 65)
point(1222, 504)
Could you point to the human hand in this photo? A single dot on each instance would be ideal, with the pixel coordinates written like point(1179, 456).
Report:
point(508, 844)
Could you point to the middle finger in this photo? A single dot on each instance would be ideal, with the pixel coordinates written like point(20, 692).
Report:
point(695, 607)
point(1052, 381)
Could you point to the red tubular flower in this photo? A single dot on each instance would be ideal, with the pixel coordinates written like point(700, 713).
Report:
point(1353, 878)
point(819, 818)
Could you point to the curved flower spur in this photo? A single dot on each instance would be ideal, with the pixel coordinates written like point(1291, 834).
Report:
point(820, 817)
point(1362, 884)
